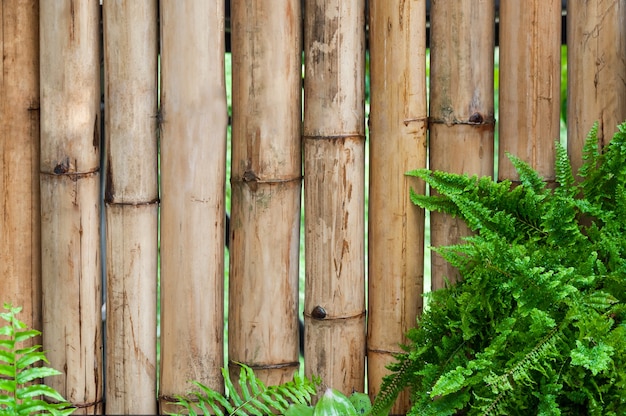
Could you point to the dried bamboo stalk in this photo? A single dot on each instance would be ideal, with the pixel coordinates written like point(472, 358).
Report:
point(266, 181)
point(193, 159)
point(461, 109)
point(398, 123)
point(596, 38)
point(130, 56)
point(530, 78)
point(20, 245)
point(69, 166)
point(334, 148)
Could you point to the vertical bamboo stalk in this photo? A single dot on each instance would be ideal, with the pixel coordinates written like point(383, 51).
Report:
point(530, 78)
point(461, 108)
point(334, 148)
point(130, 32)
point(596, 39)
point(20, 256)
point(266, 181)
point(70, 145)
point(193, 166)
point(398, 123)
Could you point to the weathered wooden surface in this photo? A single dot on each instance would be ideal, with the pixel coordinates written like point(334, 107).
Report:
point(131, 196)
point(334, 178)
point(530, 79)
point(266, 181)
point(461, 108)
point(398, 123)
point(596, 64)
point(69, 180)
point(20, 238)
point(193, 155)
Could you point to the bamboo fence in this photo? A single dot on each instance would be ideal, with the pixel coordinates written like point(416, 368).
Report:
point(530, 85)
point(398, 126)
point(20, 231)
point(266, 180)
point(596, 68)
point(192, 121)
point(70, 203)
point(461, 107)
point(334, 161)
point(50, 253)
point(131, 196)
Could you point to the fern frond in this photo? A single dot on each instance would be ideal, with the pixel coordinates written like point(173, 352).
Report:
point(563, 173)
point(252, 397)
point(590, 152)
point(18, 369)
point(527, 175)
point(538, 320)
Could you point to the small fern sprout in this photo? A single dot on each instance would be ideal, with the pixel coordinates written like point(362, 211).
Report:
point(19, 393)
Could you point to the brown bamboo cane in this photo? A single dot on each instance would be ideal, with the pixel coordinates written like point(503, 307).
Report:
point(398, 125)
point(193, 157)
point(130, 58)
point(461, 108)
point(530, 78)
point(20, 245)
point(69, 175)
point(334, 147)
point(266, 181)
point(596, 40)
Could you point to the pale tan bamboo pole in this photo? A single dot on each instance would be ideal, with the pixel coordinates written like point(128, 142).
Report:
point(70, 203)
point(461, 107)
point(530, 78)
point(398, 124)
point(131, 196)
point(193, 166)
point(266, 181)
point(596, 64)
point(334, 148)
point(20, 255)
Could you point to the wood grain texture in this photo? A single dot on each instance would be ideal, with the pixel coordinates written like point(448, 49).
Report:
point(193, 158)
point(334, 156)
point(398, 124)
point(20, 236)
point(266, 187)
point(461, 109)
point(70, 207)
point(131, 195)
point(596, 68)
point(530, 79)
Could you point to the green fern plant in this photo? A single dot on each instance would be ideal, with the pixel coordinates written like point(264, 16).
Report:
point(18, 394)
point(537, 324)
point(252, 398)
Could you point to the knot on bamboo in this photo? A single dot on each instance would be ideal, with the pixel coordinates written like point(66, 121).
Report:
point(476, 119)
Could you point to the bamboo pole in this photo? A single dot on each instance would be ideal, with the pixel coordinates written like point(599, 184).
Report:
point(130, 57)
point(398, 123)
point(596, 39)
point(70, 145)
point(530, 78)
point(266, 181)
point(334, 148)
point(193, 160)
point(20, 256)
point(461, 107)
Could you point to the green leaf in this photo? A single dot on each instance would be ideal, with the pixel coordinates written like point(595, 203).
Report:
point(361, 402)
point(299, 410)
point(39, 390)
point(32, 373)
point(450, 382)
point(21, 336)
point(596, 358)
point(8, 385)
